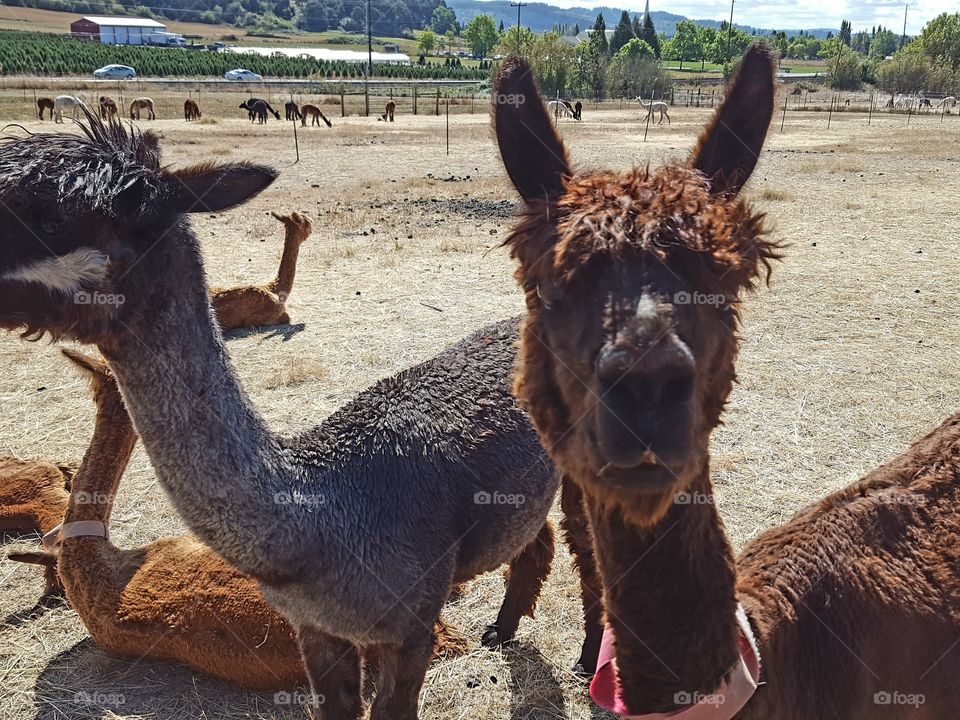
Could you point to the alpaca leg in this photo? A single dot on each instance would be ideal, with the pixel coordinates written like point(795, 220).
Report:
point(524, 581)
point(576, 530)
point(402, 671)
point(333, 667)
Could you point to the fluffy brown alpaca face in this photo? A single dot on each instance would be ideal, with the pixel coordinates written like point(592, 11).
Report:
point(632, 282)
point(77, 210)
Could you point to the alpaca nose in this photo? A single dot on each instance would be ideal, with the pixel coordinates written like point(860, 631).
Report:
point(646, 402)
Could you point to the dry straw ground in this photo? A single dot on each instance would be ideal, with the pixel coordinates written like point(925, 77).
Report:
point(848, 356)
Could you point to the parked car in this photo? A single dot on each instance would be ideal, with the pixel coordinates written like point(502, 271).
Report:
point(115, 72)
point(241, 75)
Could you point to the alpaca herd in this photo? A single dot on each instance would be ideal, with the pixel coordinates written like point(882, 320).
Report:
point(608, 390)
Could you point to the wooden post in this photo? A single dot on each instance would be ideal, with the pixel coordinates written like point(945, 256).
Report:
point(448, 127)
point(296, 140)
point(343, 107)
point(909, 111)
point(472, 98)
point(417, 85)
point(366, 98)
point(830, 115)
point(438, 103)
point(943, 106)
point(870, 111)
point(556, 109)
point(649, 114)
point(783, 119)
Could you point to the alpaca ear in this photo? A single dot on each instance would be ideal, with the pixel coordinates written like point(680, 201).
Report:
point(97, 371)
point(532, 153)
point(34, 557)
point(729, 148)
point(209, 187)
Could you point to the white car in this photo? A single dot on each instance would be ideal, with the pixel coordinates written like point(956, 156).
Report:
point(115, 72)
point(242, 75)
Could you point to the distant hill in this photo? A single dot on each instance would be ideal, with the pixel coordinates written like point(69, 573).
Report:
point(541, 17)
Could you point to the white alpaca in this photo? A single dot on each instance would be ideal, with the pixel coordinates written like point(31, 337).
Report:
point(560, 106)
point(948, 102)
point(652, 107)
point(65, 102)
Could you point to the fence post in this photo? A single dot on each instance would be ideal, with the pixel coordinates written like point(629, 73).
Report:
point(870, 112)
point(366, 97)
point(783, 119)
point(448, 127)
point(343, 108)
point(830, 114)
point(416, 85)
point(438, 103)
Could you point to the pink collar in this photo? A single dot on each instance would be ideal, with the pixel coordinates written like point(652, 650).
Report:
point(80, 528)
point(725, 702)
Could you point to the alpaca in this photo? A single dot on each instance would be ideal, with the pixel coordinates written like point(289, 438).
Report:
point(389, 109)
point(264, 305)
point(292, 110)
point(316, 116)
point(561, 108)
point(655, 107)
point(191, 110)
point(65, 102)
point(355, 530)
point(142, 103)
point(33, 494)
point(173, 599)
point(107, 107)
point(633, 282)
point(44, 103)
point(257, 109)
point(948, 102)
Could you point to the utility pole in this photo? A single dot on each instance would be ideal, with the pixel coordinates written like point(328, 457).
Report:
point(518, 5)
point(366, 85)
point(903, 38)
point(730, 31)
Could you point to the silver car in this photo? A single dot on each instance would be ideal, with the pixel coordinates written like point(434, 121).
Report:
point(115, 72)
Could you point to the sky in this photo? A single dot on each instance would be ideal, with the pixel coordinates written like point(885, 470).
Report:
point(775, 14)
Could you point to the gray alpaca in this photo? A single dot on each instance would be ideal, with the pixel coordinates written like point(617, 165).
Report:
point(357, 529)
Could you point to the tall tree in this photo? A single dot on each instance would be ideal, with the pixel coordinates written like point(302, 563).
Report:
point(442, 20)
point(648, 33)
point(621, 34)
point(598, 37)
point(481, 35)
point(940, 39)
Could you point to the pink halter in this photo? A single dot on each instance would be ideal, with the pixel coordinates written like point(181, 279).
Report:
point(725, 702)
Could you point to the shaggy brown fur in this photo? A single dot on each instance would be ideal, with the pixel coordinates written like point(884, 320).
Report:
point(191, 110)
point(174, 599)
point(44, 103)
point(139, 104)
point(107, 107)
point(389, 110)
point(292, 110)
point(632, 282)
point(264, 305)
point(315, 115)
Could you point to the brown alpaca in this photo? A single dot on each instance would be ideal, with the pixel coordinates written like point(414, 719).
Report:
point(355, 530)
point(107, 107)
point(632, 284)
point(174, 599)
point(389, 110)
point(264, 305)
point(44, 103)
point(315, 116)
point(142, 103)
point(191, 110)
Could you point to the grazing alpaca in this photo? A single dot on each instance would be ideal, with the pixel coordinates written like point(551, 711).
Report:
point(389, 109)
point(173, 599)
point(314, 112)
point(292, 110)
point(257, 109)
point(948, 102)
point(142, 103)
point(107, 107)
point(44, 103)
point(65, 102)
point(632, 283)
point(655, 107)
point(561, 108)
point(191, 110)
point(355, 530)
point(264, 305)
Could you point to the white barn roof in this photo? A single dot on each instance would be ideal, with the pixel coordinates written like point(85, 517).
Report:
point(106, 21)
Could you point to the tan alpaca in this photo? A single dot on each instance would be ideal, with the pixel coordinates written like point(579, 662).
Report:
point(315, 116)
point(107, 107)
point(142, 103)
point(174, 599)
point(389, 109)
point(264, 305)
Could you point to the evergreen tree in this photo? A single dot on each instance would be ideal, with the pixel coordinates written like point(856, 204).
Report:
point(648, 33)
point(576, 29)
point(622, 34)
point(598, 37)
point(501, 26)
point(637, 27)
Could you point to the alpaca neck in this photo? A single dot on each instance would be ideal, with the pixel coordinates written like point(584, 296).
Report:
point(95, 484)
point(211, 450)
point(283, 283)
point(670, 599)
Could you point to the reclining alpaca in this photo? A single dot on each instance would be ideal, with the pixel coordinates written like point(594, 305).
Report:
point(355, 530)
point(33, 494)
point(173, 599)
point(852, 602)
point(264, 305)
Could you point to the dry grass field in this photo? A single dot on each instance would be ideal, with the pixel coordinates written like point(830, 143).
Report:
point(851, 353)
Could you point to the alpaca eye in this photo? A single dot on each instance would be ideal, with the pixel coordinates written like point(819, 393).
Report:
point(550, 294)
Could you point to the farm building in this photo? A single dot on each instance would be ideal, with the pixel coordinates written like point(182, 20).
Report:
point(118, 30)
